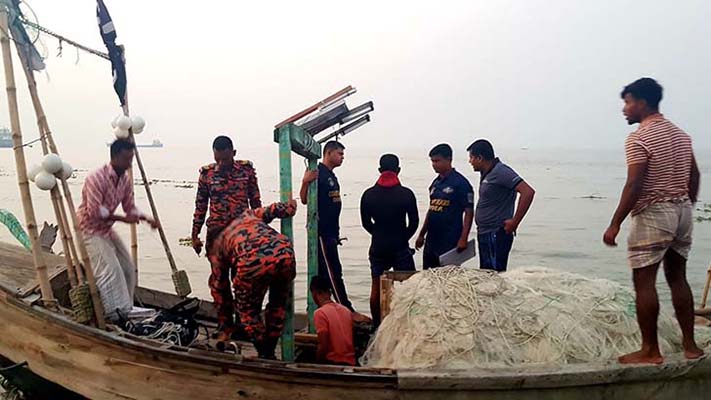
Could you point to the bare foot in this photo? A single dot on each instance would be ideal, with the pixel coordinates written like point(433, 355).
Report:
point(642, 357)
point(693, 353)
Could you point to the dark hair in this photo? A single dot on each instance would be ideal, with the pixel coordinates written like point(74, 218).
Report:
point(320, 285)
point(222, 143)
point(120, 145)
point(333, 145)
point(443, 150)
point(646, 89)
point(482, 148)
point(389, 162)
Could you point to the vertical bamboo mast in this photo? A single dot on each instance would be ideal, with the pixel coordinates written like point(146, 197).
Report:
point(20, 163)
point(287, 228)
point(180, 281)
point(152, 203)
point(58, 205)
point(132, 227)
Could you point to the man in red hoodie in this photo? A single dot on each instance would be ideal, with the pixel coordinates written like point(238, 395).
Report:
point(388, 211)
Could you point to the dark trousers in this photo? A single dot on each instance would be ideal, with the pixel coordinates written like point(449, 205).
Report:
point(430, 258)
point(494, 249)
point(275, 277)
point(329, 267)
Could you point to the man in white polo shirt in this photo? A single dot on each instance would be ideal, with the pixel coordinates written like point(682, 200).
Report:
point(662, 184)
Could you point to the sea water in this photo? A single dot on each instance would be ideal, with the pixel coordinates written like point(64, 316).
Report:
point(576, 194)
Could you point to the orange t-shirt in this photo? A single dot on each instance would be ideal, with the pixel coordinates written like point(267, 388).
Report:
point(337, 322)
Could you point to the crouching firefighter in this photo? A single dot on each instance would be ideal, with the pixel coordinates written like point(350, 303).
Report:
point(261, 259)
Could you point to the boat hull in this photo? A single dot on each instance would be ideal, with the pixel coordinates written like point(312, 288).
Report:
point(116, 368)
point(99, 366)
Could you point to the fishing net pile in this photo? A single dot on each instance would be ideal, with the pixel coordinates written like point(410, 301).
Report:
point(458, 317)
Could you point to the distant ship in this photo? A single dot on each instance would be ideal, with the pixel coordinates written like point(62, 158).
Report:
point(5, 138)
point(155, 143)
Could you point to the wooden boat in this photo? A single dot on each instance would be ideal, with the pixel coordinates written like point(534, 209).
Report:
point(109, 365)
point(81, 360)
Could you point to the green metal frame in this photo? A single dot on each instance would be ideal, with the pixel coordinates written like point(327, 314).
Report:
point(292, 138)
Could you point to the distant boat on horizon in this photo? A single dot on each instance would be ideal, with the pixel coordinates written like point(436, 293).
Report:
point(5, 138)
point(156, 143)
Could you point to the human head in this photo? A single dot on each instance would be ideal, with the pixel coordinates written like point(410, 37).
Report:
point(320, 290)
point(122, 154)
point(441, 157)
point(389, 162)
point(333, 154)
point(641, 98)
point(224, 151)
point(481, 154)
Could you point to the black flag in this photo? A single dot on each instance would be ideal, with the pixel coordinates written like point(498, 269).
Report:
point(118, 63)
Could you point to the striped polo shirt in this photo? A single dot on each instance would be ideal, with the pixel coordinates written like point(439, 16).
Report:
point(668, 153)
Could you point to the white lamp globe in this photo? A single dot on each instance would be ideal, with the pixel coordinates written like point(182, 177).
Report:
point(45, 181)
point(121, 133)
point(66, 171)
point(33, 171)
point(52, 163)
point(123, 122)
point(137, 124)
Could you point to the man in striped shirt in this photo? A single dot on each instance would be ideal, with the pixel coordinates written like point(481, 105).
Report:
point(662, 184)
point(103, 191)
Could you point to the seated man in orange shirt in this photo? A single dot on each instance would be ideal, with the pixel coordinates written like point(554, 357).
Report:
point(334, 326)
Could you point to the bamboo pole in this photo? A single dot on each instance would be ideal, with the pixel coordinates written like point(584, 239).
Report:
point(57, 204)
point(40, 265)
point(71, 244)
point(132, 228)
point(85, 261)
point(705, 296)
point(180, 278)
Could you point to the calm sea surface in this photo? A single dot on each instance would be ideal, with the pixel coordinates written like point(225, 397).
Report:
point(577, 191)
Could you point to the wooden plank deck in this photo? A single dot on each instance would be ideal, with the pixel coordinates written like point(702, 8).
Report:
point(17, 270)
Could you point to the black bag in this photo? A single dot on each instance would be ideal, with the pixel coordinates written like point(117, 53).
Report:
point(176, 325)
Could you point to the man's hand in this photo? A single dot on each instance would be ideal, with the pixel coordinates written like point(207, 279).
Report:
point(310, 176)
point(153, 223)
point(419, 242)
point(610, 235)
point(131, 219)
point(462, 245)
point(510, 226)
point(197, 245)
point(292, 203)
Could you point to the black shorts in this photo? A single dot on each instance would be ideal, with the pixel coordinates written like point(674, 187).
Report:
point(399, 261)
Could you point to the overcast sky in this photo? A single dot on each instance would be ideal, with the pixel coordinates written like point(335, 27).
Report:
point(522, 73)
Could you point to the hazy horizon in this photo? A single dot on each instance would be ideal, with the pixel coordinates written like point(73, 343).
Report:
point(538, 74)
